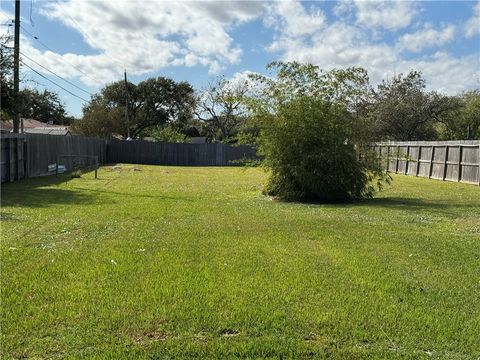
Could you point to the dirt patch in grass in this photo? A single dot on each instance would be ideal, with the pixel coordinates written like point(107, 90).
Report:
point(149, 336)
point(229, 333)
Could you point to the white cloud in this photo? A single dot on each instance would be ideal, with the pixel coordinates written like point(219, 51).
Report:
point(426, 38)
point(445, 73)
point(390, 15)
point(344, 43)
point(144, 37)
point(472, 26)
point(293, 20)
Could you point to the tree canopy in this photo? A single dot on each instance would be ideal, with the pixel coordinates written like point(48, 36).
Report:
point(6, 76)
point(31, 103)
point(403, 110)
point(153, 102)
point(463, 122)
point(220, 106)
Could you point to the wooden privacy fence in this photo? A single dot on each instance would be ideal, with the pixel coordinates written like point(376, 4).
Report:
point(32, 155)
point(180, 154)
point(13, 158)
point(443, 160)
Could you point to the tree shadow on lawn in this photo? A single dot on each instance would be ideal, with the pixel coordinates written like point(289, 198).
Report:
point(41, 192)
point(447, 208)
point(451, 209)
point(137, 195)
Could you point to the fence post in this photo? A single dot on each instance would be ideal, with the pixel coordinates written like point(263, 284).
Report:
point(431, 162)
point(460, 154)
point(406, 160)
point(388, 158)
point(478, 173)
point(418, 159)
point(25, 158)
point(11, 159)
point(445, 163)
point(7, 158)
point(398, 155)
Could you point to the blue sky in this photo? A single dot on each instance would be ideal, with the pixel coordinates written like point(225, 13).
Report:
point(90, 43)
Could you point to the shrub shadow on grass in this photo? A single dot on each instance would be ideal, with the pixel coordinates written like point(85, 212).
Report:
point(414, 204)
point(41, 192)
point(399, 203)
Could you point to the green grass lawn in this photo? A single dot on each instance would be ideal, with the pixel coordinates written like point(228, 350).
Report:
point(171, 262)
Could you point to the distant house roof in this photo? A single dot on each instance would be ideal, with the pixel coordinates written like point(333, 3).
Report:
point(32, 126)
point(197, 140)
point(63, 131)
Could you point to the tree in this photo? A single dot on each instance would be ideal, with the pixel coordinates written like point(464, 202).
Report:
point(167, 134)
point(403, 110)
point(463, 122)
point(309, 134)
point(153, 102)
point(43, 106)
point(99, 121)
point(221, 107)
point(6, 76)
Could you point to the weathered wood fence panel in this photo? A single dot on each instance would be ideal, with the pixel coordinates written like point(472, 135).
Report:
point(156, 153)
point(443, 160)
point(29, 155)
point(43, 150)
point(13, 158)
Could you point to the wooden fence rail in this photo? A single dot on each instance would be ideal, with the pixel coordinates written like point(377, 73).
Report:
point(157, 153)
point(443, 160)
point(32, 155)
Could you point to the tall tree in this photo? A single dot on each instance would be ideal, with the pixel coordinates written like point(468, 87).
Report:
point(39, 105)
point(403, 110)
point(6, 75)
point(153, 102)
point(43, 106)
point(463, 122)
point(220, 106)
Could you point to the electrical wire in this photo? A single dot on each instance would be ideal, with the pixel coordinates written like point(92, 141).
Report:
point(74, 21)
point(4, 13)
point(53, 82)
point(50, 71)
point(50, 49)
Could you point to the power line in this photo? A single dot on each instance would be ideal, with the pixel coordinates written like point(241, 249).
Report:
point(74, 21)
point(50, 49)
point(4, 13)
point(50, 71)
point(53, 82)
point(46, 46)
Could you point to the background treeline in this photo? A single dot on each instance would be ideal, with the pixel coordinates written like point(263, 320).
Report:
point(400, 108)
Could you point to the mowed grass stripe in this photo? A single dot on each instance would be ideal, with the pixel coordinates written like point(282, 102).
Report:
point(170, 262)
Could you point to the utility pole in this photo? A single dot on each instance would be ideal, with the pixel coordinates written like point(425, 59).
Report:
point(16, 64)
point(126, 105)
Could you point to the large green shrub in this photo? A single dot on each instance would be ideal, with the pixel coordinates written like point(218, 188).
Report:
point(312, 137)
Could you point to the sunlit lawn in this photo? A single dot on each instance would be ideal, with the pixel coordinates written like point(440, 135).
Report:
point(170, 262)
